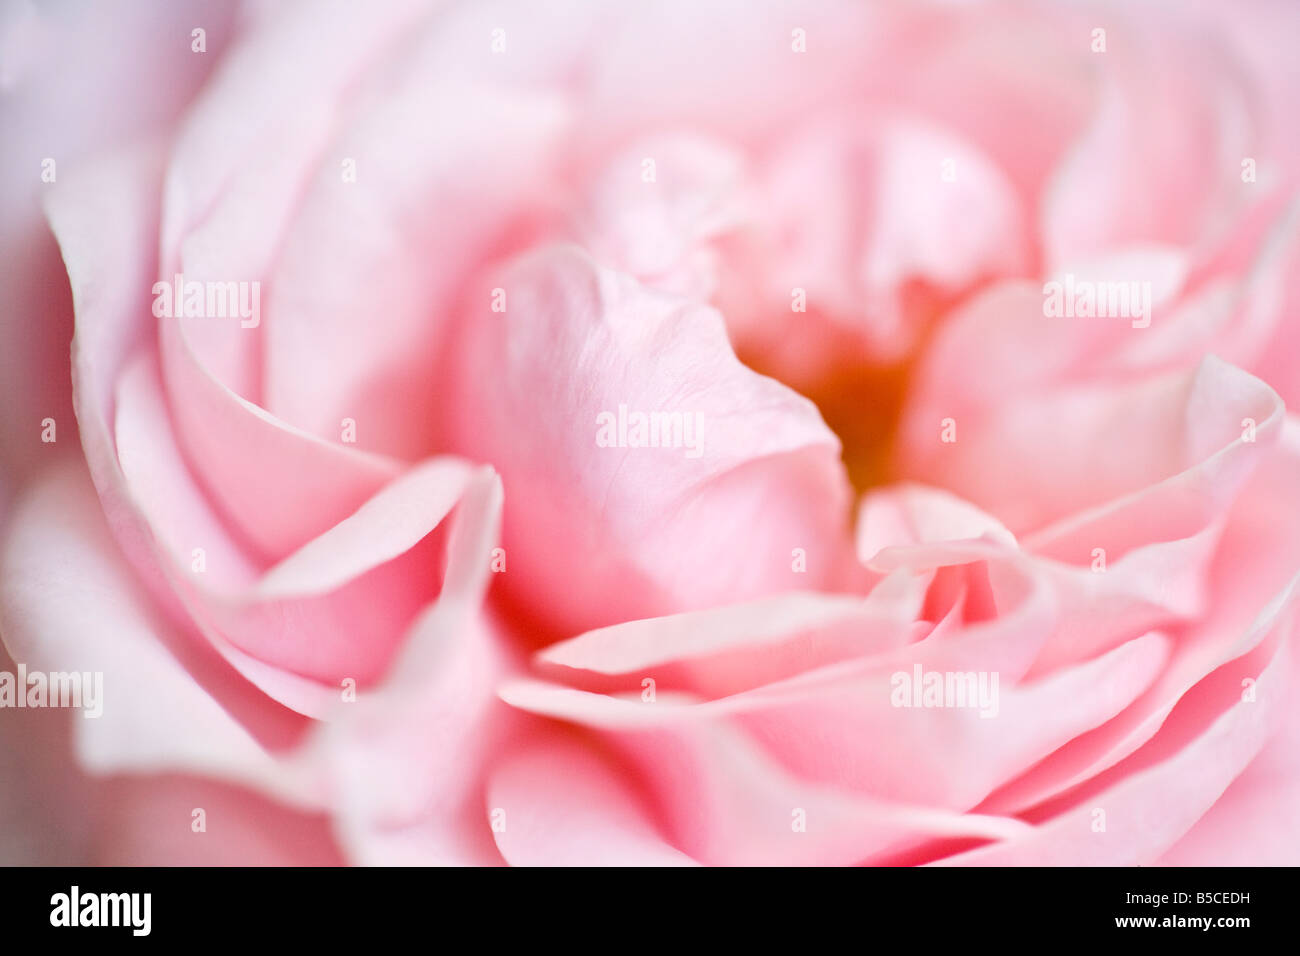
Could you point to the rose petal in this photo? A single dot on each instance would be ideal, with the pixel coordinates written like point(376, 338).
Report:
point(599, 534)
point(367, 575)
point(1150, 807)
point(68, 604)
point(588, 815)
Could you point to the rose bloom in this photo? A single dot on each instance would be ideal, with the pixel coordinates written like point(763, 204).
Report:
point(724, 433)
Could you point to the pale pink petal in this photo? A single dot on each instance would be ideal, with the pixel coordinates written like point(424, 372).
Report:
point(727, 803)
point(52, 111)
point(1148, 807)
point(945, 757)
point(1104, 194)
point(1249, 595)
point(599, 534)
point(150, 821)
point(106, 226)
point(230, 190)
point(1240, 310)
point(368, 274)
point(1018, 86)
point(1105, 600)
point(368, 575)
point(1254, 822)
point(869, 217)
point(45, 797)
point(724, 650)
point(906, 513)
point(69, 604)
point(217, 154)
point(557, 803)
point(404, 762)
point(840, 724)
point(1188, 439)
point(280, 486)
point(658, 221)
point(687, 65)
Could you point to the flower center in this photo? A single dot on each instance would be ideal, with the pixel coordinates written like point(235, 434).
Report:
point(860, 397)
point(862, 405)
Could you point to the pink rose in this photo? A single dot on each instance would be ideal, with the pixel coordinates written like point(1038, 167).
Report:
point(709, 433)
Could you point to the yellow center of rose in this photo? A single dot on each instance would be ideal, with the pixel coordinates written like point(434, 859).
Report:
point(862, 400)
